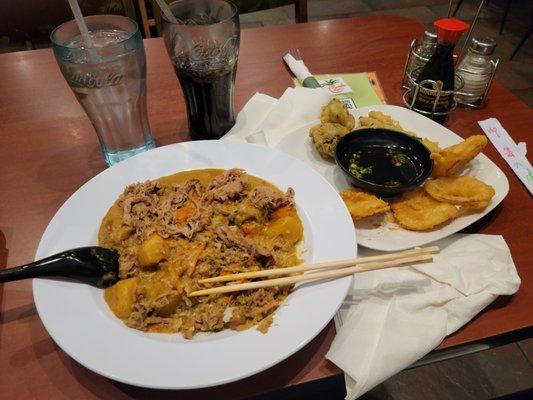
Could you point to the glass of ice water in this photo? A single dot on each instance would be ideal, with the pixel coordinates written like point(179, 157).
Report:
point(109, 81)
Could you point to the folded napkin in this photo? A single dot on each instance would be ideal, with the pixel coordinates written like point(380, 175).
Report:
point(298, 68)
point(266, 120)
point(392, 317)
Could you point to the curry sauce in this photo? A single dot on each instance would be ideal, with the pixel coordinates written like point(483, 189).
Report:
point(198, 224)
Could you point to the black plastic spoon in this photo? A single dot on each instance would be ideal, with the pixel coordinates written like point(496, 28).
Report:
point(96, 266)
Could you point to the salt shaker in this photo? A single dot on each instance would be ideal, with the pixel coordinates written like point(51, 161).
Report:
point(476, 69)
point(422, 53)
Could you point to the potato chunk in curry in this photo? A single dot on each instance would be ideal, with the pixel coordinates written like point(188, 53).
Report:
point(121, 296)
point(152, 251)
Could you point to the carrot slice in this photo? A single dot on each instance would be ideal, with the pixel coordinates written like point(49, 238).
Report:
point(282, 211)
point(183, 213)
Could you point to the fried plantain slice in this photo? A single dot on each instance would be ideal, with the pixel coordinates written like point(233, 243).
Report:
point(460, 190)
point(362, 204)
point(450, 160)
point(478, 205)
point(417, 211)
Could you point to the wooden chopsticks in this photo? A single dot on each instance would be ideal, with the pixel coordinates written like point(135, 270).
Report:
point(344, 268)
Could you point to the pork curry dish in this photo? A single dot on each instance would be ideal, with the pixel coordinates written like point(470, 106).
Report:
point(198, 224)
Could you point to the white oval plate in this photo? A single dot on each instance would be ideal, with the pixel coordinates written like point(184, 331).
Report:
point(375, 232)
point(79, 321)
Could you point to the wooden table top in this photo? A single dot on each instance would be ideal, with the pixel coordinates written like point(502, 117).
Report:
point(48, 149)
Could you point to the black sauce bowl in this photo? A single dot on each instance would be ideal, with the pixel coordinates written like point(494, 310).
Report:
point(380, 139)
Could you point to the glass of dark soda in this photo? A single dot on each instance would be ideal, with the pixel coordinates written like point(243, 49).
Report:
point(203, 44)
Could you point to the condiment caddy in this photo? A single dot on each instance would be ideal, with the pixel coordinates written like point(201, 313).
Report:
point(436, 82)
point(462, 96)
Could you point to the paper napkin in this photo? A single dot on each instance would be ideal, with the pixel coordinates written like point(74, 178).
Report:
point(391, 318)
point(266, 120)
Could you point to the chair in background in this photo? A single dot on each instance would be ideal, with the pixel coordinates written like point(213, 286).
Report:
point(504, 17)
point(522, 41)
point(147, 22)
point(248, 6)
point(526, 36)
point(145, 9)
point(31, 22)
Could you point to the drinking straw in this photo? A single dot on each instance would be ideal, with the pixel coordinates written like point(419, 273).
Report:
point(109, 94)
point(82, 26)
point(166, 10)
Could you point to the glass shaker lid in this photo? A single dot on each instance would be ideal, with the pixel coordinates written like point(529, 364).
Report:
point(483, 45)
point(430, 37)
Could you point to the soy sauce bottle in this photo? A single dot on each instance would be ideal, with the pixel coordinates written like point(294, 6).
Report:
point(440, 69)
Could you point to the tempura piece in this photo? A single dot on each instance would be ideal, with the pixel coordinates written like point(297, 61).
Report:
point(432, 146)
point(478, 205)
point(377, 119)
point(461, 190)
point(362, 204)
point(336, 112)
point(450, 160)
point(326, 136)
point(417, 211)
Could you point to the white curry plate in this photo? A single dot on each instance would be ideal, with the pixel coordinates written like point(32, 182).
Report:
point(375, 232)
point(78, 319)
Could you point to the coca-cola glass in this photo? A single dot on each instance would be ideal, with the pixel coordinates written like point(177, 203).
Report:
point(109, 81)
point(203, 44)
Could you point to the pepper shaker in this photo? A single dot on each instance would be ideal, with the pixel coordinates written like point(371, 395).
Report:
point(422, 53)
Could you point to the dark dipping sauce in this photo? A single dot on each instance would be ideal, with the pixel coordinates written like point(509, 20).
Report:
point(383, 166)
point(383, 161)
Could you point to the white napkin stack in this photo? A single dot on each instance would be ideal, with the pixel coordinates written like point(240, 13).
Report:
point(393, 317)
point(266, 120)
